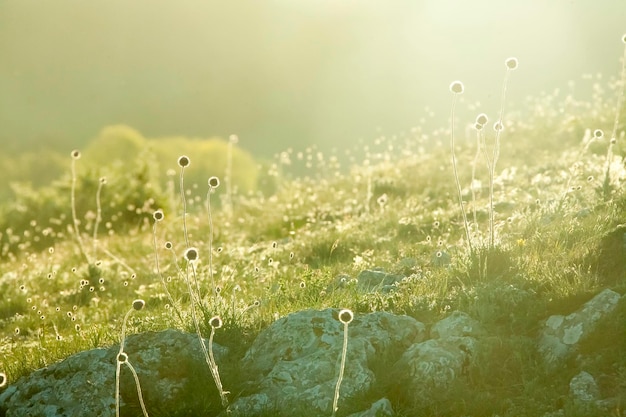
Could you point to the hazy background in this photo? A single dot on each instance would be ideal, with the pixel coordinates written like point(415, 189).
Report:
point(281, 73)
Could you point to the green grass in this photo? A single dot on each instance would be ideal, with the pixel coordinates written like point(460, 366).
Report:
point(560, 239)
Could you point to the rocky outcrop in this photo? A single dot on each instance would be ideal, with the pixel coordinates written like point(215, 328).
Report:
point(561, 334)
point(170, 366)
point(295, 361)
point(435, 363)
point(292, 367)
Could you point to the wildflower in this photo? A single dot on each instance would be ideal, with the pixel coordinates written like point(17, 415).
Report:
point(457, 87)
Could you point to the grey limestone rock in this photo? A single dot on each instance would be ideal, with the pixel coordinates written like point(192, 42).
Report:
point(432, 365)
point(170, 366)
point(457, 324)
point(560, 334)
point(295, 362)
point(583, 387)
point(377, 280)
point(381, 408)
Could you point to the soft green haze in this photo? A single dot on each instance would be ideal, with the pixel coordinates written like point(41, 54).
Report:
point(279, 73)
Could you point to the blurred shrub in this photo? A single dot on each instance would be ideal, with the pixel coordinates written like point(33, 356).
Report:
point(36, 167)
point(114, 143)
point(36, 218)
point(209, 157)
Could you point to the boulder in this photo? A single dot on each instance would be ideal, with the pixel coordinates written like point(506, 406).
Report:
point(294, 363)
point(434, 364)
point(583, 387)
point(170, 366)
point(381, 408)
point(457, 324)
point(377, 280)
point(560, 334)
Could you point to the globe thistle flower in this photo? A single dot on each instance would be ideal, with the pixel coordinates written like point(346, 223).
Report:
point(511, 63)
point(214, 182)
point(138, 304)
point(158, 215)
point(191, 254)
point(183, 161)
point(457, 87)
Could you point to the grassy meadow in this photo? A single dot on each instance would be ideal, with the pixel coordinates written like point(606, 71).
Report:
point(557, 237)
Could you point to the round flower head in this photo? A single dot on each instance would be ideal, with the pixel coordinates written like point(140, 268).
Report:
point(168, 245)
point(497, 126)
point(456, 87)
point(122, 357)
point(511, 63)
point(3, 379)
point(598, 134)
point(346, 316)
point(183, 161)
point(191, 255)
point(214, 182)
point(76, 154)
point(138, 304)
point(478, 126)
point(103, 180)
point(233, 139)
point(216, 322)
point(158, 215)
point(624, 38)
point(482, 119)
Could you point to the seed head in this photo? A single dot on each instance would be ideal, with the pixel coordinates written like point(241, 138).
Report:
point(497, 126)
point(482, 119)
point(216, 322)
point(3, 379)
point(158, 215)
point(598, 134)
point(346, 316)
point(75, 154)
point(214, 182)
point(624, 38)
point(138, 304)
point(168, 245)
point(511, 63)
point(183, 161)
point(103, 180)
point(191, 255)
point(457, 87)
point(122, 357)
point(233, 139)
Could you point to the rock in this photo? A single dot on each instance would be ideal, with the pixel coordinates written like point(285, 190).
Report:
point(377, 280)
point(432, 365)
point(561, 334)
point(583, 387)
point(457, 324)
point(381, 408)
point(170, 366)
point(295, 362)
